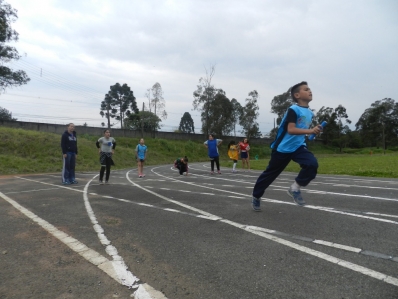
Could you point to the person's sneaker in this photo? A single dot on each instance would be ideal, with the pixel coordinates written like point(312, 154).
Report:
point(256, 204)
point(73, 182)
point(143, 175)
point(212, 172)
point(140, 175)
point(101, 182)
point(219, 172)
point(66, 183)
point(296, 195)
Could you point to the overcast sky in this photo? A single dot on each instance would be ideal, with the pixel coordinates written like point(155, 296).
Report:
point(74, 51)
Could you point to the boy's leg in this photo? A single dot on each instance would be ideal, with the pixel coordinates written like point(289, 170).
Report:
point(139, 167)
point(212, 164)
point(276, 165)
point(308, 164)
point(309, 167)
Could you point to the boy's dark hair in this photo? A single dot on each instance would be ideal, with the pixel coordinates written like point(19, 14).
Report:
point(232, 142)
point(186, 159)
point(296, 88)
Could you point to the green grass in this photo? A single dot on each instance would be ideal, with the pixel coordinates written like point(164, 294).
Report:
point(24, 152)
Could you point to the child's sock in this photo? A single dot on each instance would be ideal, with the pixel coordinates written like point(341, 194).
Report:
point(295, 186)
point(233, 167)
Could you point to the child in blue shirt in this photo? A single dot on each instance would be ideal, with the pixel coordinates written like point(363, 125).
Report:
point(140, 156)
point(288, 145)
point(212, 147)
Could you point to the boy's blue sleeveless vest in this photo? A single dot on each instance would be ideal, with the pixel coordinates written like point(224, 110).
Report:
point(212, 148)
point(286, 143)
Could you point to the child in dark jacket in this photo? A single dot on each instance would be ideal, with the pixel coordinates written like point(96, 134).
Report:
point(182, 165)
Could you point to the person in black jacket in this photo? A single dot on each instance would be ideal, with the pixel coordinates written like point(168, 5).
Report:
point(69, 152)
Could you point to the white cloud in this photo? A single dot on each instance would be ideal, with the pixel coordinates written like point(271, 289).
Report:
point(345, 50)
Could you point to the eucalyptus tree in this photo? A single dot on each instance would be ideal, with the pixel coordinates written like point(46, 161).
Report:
point(248, 118)
point(8, 76)
point(379, 123)
point(204, 95)
point(157, 102)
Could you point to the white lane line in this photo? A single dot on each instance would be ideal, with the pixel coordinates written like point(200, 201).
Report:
point(319, 208)
point(326, 257)
point(170, 200)
point(125, 277)
point(321, 192)
point(379, 214)
point(116, 268)
point(335, 245)
point(29, 191)
point(89, 254)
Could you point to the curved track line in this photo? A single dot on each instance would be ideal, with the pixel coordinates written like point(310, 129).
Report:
point(348, 265)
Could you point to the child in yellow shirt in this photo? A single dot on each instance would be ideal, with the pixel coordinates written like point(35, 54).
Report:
point(233, 153)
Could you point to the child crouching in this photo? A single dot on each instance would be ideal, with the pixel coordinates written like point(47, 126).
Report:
point(182, 165)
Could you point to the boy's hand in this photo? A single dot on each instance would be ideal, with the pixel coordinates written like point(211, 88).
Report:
point(316, 130)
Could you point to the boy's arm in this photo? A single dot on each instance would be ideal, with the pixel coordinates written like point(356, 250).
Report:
point(293, 130)
point(205, 144)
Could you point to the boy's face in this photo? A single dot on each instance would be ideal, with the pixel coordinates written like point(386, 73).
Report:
point(141, 141)
point(304, 95)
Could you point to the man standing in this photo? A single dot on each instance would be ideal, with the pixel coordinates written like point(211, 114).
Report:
point(69, 151)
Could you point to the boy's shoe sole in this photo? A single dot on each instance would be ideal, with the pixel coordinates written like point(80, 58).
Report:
point(296, 195)
point(65, 183)
point(256, 204)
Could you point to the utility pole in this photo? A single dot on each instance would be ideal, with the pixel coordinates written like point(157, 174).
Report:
point(142, 120)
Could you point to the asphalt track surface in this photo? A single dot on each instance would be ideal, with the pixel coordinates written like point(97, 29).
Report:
point(197, 236)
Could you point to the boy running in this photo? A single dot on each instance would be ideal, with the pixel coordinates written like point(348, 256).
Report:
point(288, 145)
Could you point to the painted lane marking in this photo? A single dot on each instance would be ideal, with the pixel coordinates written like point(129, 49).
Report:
point(89, 254)
point(28, 191)
point(125, 276)
point(379, 214)
point(319, 208)
point(326, 257)
point(334, 179)
point(310, 190)
point(116, 268)
point(170, 200)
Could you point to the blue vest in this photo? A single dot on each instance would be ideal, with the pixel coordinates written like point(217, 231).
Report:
point(286, 143)
point(212, 148)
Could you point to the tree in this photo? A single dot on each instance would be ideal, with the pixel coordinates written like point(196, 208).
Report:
point(378, 124)
point(219, 119)
point(249, 116)
point(6, 115)
point(335, 133)
point(158, 102)
point(280, 104)
point(117, 103)
point(237, 110)
point(145, 120)
point(9, 77)
point(203, 96)
point(186, 124)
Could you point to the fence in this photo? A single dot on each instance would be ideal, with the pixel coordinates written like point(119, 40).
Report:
point(59, 129)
